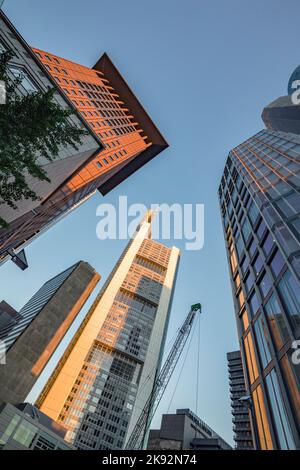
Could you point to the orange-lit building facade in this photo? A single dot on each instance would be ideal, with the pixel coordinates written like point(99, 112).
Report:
point(123, 132)
point(105, 376)
point(259, 198)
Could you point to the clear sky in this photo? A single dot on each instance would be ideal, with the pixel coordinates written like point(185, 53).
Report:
point(203, 69)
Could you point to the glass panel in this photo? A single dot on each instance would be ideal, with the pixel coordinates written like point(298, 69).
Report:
point(277, 263)
point(245, 320)
point(25, 433)
point(246, 230)
point(249, 281)
point(10, 429)
point(277, 322)
point(263, 341)
point(264, 434)
point(291, 372)
point(290, 292)
point(254, 304)
point(282, 425)
point(265, 285)
point(268, 244)
point(258, 264)
point(250, 357)
point(253, 213)
point(26, 81)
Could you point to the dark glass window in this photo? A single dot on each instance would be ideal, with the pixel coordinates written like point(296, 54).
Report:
point(290, 293)
point(277, 263)
point(252, 248)
point(261, 229)
point(246, 230)
point(244, 265)
point(239, 245)
point(254, 304)
point(258, 264)
point(268, 244)
point(249, 281)
point(253, 213)
point(265, 285)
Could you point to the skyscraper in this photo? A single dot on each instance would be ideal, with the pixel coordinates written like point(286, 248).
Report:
point(105, 376)
point(122, 137)
point(260, 204)
point(39, 328)
point(240, 411)
point(31, 217)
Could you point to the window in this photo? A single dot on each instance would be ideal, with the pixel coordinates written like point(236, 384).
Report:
point(264, 434)
point(249, 281)
point(290, 293)
point(10, 429)
point(261, 229)
point(254, 304)
point(268, 244)
point(250, 357)
point(276, 322)
point(253, 213)
point(25, 433)
point(257, 265)
point(277, 263)
point(263, 341)
point(284, 432)
point(265, 285)
point(246, 230)
point(26, 81)
point(292, 376)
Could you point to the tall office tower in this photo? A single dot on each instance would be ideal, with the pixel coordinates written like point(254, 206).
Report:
point(105, 376)
point(124, 137)
point(260, 207)
point(31, 217)
point(240, 411)
point(43, 322)
point(184, 430)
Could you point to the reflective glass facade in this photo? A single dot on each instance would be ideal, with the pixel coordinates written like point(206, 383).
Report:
point(105, 376)
point(259, 198)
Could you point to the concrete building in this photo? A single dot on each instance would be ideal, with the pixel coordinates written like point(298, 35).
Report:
point(24, 427)
point(42, 324)
point(122, 137)
point(184, 431)
point(259, 199)
point(106, 374)
point(31, 217)
point(240, 411)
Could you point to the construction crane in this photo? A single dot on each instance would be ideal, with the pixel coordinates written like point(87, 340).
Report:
point(137, 437)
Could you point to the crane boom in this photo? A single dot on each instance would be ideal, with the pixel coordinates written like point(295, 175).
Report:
point(136, 439)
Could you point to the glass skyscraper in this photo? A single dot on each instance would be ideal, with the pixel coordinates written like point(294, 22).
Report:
point(259, 198)
point(106, 375)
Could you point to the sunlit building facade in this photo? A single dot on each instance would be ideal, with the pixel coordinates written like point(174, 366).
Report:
point(260, 204)
point(105, 376)
point(121, 136)
point(32, 336)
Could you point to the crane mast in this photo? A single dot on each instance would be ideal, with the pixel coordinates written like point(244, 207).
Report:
point(136, 439)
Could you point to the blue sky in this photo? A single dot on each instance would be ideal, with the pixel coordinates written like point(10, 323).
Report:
point(203, 69)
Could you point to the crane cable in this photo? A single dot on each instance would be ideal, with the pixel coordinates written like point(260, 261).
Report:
point(198, 367)
point(183, 364)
